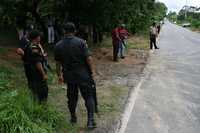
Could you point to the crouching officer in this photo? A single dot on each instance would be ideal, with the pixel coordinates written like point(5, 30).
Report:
point(73, 58)
point(37, 74)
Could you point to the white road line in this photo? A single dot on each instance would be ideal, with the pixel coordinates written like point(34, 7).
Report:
point(129, 108)
point(131, 103)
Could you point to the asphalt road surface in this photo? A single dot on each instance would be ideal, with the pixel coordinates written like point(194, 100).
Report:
point(169, 98)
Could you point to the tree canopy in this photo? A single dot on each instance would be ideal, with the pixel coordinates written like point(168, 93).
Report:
point(99, 15)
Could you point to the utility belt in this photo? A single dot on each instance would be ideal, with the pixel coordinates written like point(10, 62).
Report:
point(73, 68)
point(27, 63)
point(152, 35)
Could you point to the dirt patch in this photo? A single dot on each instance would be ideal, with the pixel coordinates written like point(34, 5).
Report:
point(9, 54)
point(196, 30)
point(9, 58)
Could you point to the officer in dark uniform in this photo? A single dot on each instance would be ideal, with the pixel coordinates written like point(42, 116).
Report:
point(23, 44)
point(34, 68)
point(74, 66)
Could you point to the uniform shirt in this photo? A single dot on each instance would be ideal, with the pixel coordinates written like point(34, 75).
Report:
point(33, 56)
point(23, 43)
point(72, 53)
point(115, 35)
point(36, 54)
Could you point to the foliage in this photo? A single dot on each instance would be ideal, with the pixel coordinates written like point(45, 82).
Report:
point(188, 16)
point(19, 113)
point(195, 23)
point(160, 11)
point(99, 15)
point(172, 16)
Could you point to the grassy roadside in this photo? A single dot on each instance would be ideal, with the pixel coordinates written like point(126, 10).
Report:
point(134, 42)
point(18, 112)
point(195, 29)
point(112, 94)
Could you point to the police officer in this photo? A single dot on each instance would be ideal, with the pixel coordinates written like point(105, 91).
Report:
point(23, 44)
point(74, 64)
point(34, 68)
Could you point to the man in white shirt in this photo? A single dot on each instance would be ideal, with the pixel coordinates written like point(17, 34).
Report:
point(153, 36)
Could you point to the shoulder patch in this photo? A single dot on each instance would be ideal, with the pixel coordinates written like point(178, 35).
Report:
point(33, 46)
point(86, 45)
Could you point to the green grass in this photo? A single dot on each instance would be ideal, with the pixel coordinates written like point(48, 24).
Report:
point(9, 36)
point(107, 43)
point(5, 74)
point(18, 112)
point(144, 46)
point(3, 50)
point(138, 42)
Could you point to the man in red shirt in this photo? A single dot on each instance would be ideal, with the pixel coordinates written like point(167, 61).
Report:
point(115, 40)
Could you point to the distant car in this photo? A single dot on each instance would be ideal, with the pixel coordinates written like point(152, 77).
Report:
point(186, 25)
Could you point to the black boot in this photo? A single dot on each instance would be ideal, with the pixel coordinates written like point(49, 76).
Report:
point(73, 118)
point(96, 109)
point(91, 124)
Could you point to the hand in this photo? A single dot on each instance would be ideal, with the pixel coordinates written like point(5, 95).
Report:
point(94, 76)
point(45, 77)
point(45, 54)
point(60, 80)
point(20, 52)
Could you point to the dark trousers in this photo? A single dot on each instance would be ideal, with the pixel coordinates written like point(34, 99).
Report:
point(27, 70)
point(39, 90)
point(115, 50)
point(87, 91)
point(153, 42)
point(95, 95)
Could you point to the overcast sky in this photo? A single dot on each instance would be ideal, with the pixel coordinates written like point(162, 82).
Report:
point(176, 5)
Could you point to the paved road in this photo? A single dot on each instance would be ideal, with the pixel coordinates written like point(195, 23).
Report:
point(169, 98)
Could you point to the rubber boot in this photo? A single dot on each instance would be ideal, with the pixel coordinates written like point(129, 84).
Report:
point(73, 118)
point(91, 123)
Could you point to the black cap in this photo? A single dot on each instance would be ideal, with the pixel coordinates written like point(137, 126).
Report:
point(69, 27)
point(34, 34)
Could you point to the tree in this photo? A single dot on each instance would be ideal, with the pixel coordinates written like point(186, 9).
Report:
point(172, 16)
point(98, 16)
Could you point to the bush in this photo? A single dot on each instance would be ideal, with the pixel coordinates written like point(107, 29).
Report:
point(20, 114)
point(5, 74)
point(196, 23)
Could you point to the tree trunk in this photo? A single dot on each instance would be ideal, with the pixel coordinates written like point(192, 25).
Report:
point(95, 35)
point(100, 34)
point(38, 18)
